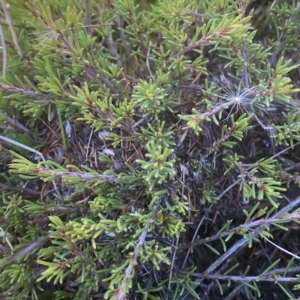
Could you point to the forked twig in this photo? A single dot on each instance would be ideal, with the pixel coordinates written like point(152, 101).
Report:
point(244, 241)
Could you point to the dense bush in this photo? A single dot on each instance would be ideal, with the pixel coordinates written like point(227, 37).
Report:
point(149, 150)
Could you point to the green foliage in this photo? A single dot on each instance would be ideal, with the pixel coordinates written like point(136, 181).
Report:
point(135, 132)
point(159, 167)
point(151, 98)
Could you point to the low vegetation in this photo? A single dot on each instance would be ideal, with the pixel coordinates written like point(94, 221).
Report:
point(149, 149)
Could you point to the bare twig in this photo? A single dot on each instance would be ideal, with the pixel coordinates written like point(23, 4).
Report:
point(87, 20)
point(17, 189)
point(114, 50)
point(271, 277)
point(172, 264)
point(124, 40)
point(5, 139)
point(244, 241)
point(250, 226)
point(282, 249)
point(147, 61)
point(11, 27)
point(3, 46)
point(246, 75)
point(22, 91)
point(20, 127)
point(193, 239)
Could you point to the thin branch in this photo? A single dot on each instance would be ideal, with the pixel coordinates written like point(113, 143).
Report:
point(244, 241)
point(121, 290)
point(229, 188)
point(20, 127)
point(11, 27)
point(147, 60)
point(245, 71)
point(87, 20)
point(250, 226)
point(22, 91)
point(4, 60)
point(5, 139)
point(270, 278)
point(33, 151)
point(172, 264)
point(17, 189)
point(282, 249)
point(124, 40)
point(30, 247)
point(3, 234)
point(193, 239)
point(114, 50)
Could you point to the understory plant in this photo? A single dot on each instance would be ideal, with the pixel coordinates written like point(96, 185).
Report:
point(149, 149)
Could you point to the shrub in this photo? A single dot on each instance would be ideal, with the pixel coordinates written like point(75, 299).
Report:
point(145, 145)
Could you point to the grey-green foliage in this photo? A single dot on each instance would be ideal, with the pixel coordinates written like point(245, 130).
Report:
point(133, 83)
